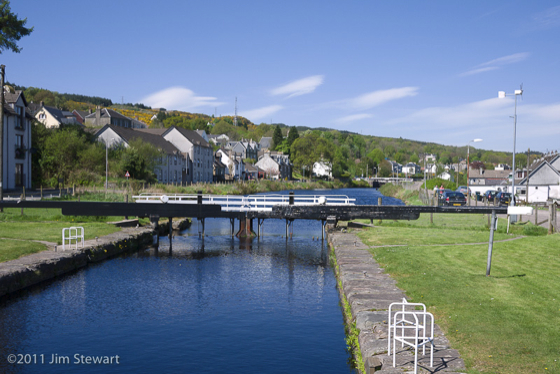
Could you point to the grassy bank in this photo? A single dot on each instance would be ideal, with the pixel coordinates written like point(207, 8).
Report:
point(506, 323)
point(410, 197)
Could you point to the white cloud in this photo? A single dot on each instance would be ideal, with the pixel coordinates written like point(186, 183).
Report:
point(548, 19)
point(179, 98)
point(259, 113)
point(496, 63)
point(299, 87)
point(376, 98)
point(352, 118)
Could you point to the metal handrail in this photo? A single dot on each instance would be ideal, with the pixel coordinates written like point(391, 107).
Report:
point(245, 203)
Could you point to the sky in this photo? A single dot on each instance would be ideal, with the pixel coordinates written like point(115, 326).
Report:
point(426, 71)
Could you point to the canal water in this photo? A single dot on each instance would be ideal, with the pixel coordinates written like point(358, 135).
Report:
point(207, 306)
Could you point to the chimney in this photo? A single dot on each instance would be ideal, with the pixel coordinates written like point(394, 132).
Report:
point(42, 104)
point(98, 116)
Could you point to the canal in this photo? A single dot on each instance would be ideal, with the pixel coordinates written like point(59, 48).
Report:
point(206, 306)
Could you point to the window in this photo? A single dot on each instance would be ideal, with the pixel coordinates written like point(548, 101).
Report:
point(19, 175)
point(175, 160)
point(19, 117)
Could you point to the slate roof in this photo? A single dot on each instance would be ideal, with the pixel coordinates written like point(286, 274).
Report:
point(193, 136)
point(109, 113)
point(129, 135)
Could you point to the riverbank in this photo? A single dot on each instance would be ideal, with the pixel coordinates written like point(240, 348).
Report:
point(35, 268)
point(366, 293)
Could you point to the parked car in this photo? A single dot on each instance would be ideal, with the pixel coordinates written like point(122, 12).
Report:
point(503, 198)
point(463, 190)
point(440, 194)
point(453, 198)
point(489, 195)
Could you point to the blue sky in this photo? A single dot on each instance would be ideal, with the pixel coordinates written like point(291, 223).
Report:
point(428, 71)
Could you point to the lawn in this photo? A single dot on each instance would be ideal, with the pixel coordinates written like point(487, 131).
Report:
point(506, 323)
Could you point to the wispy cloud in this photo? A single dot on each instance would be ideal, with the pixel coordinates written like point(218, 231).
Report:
point(260, 113)
point(548, 19)
point(179, 98)
point(299, 87)
point(352, 118)
point(376, 98)
point(496, 63)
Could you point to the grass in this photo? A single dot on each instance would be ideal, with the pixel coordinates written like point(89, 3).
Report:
point(506, 323)
point(12, 249)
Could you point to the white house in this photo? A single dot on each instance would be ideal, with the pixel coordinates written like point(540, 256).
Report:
point(544, 181)
point(54, 118)
point(16, 145)
point(171, 165)
point(235, 167)
point(271, 167)
point(201, 155)
point(322, 169)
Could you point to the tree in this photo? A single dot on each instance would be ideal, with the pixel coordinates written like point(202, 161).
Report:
point(139, 160)
point(12, 29)
point(277, 136)
point(293, 135)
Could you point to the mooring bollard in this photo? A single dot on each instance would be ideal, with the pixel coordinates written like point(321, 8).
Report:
point(291, 202)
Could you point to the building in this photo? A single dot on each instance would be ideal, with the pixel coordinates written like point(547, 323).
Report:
point(235, 167)
point(16, 145)
point(411, 168)
point(276, 165)
point(322, 169)
point(171, 165)
point(219, 169)
point(543, 180)
point(200, 153)
point(54, 118)
point(102, 117)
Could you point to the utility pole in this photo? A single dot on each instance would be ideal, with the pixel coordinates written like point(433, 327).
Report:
point(235, 115)
point(2, 72)
point(527, 191)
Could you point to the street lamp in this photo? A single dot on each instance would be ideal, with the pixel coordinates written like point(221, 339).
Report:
point(468, 167)
point(502, 95)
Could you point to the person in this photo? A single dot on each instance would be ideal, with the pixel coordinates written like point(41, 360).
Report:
point(441, 188)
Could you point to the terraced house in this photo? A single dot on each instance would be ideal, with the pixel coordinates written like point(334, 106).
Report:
point(17, 142)
point(200, 158)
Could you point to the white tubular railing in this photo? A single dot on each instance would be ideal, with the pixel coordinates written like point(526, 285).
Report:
point(245, 203)
point(72, 233)
point(418, 335)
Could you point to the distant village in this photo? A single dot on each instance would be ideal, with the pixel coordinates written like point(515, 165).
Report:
point(189, 156)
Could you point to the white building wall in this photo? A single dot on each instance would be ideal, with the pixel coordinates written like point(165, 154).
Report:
point(10, 134)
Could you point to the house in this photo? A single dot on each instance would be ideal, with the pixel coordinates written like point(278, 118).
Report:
point(219, 140)
point(16, 147)
point(219, 169)
point(201, 154)
point(54, 118)
point(395, 166)
point(322, 169)
point(544, 180)
point(265, 143)
point(235, 167)
point(411, 168)
point(483, 177)
point(244, 148)
point(275, 165)
point(502, 167)
point(105, 116)
point(270, 167)
point(202, 134)
point(446, 176)
point(251, 172)
point(171, 165)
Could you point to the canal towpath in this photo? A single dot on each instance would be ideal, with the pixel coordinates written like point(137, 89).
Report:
point(369, 291)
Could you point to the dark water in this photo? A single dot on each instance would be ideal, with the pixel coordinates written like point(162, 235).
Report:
point(208, 306)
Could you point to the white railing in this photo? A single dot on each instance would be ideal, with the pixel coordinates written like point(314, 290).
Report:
point(236, 203)
point(72, 233)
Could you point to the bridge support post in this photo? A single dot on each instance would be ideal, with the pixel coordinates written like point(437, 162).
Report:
point(170, 233)
point(202, 221)
point(154, 220)
point(245, 228)
point(232, 222)
point(260, 221)
point(323, 224)
point(289, 233)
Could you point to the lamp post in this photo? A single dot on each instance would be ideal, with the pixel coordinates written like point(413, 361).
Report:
point(468, 167)
point(502, 95)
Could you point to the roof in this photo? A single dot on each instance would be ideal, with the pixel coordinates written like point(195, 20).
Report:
point(489, 174)
point(265, 142)
point(540, 166)
point(191, 135)
point(10, 97)
point(81, 113)
point(108, 113)
point(129, 134)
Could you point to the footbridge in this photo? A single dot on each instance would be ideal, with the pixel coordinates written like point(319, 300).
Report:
point(329, 209)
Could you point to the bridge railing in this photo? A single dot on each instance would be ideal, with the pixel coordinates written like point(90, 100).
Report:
point(245, 203)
